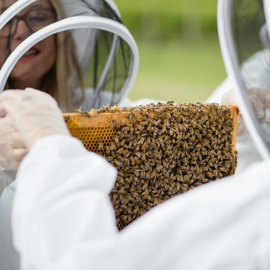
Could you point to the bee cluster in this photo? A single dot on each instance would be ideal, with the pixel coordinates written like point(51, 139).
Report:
point(162, 150)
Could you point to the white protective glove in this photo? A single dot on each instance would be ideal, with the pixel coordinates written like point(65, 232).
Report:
point(260, 101)
point(33, 114)
point(12, 149)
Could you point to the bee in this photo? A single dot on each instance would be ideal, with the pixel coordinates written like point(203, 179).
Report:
point(139, 128)
point(182, 128)
point(144, 123)
point(136, 209)
point(125, 130)
point(132, 161)
point(131, 130)
point(123, 217)
point(144, 146)
point(157, 122)
point(153, 174)
point(113, 124)
point(122, 142)
point(142, 174)
point(210, 174)
point(125, 162)
point(185, 161)
point(159, 168)
point(185, 145)
point(67, 118)
point(120, 151)
point(100, 147)
point(113, 146)
point(87, 114)
point(183, 189)
point(193, 162)
point(222, 169)
point(172, 178)
point(179, 136)
point(137, 172)
point(160, 142)
point(226, 165)
point(117, 124)
point(126, 153)
point(199, 136)
point(138, 154)
point(78, 110)
point(198, 146)
point(107, 150)
point(172, 131)
point(159, 155)
point(166, 123)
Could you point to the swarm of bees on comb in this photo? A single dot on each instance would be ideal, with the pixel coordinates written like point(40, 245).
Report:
point(162, 150)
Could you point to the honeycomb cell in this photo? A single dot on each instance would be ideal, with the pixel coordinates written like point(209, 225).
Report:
point(93, 135)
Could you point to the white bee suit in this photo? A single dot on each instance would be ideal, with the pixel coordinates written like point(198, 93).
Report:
point(67, 220)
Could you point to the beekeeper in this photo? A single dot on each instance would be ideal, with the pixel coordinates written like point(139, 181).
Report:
point(55, 65)
point(253, 53)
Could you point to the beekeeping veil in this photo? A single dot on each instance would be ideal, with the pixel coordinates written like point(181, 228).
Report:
point(245, 46)
point(106, 51)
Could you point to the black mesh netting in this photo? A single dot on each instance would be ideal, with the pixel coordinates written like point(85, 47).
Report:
point(252, 46)
point(108, 45)
point(247, 21)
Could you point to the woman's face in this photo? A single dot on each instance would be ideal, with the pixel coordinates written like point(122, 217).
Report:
point(36, 62)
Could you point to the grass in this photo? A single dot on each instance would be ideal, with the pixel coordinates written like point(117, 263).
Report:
point(183, 72)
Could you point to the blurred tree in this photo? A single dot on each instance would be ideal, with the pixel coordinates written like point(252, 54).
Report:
point(161, 19)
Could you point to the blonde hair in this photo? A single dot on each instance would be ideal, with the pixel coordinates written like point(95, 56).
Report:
point(65, 76)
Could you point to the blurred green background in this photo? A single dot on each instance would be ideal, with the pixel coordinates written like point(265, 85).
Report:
point(180, 58)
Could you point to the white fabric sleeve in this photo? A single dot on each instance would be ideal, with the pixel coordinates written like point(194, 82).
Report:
point(62, 197)
point(63, 219)
point(6, 178)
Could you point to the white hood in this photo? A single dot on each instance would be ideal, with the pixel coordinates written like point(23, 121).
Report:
point(114, 70)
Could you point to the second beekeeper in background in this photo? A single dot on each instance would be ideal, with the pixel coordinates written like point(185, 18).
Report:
point(252, 43)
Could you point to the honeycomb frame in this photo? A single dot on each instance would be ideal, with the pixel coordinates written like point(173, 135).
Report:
point(96, 132)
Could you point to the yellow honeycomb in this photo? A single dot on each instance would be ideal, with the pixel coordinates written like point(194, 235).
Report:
point(93, 136)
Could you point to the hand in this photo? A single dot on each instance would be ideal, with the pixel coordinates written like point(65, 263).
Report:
point(12, 149)
point(260, 101)
point(34, 115)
